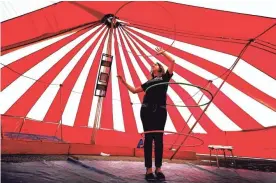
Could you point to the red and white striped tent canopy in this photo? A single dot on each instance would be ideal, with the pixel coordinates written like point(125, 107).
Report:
point(50, 61)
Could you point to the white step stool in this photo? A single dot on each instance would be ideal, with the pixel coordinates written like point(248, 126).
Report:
point(223, 148)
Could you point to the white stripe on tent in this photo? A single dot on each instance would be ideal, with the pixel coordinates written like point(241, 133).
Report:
point(71, 108)
point(246, 71)
point(12, 9)
point(169, 124)
point(16, 89)
point(25, 51)
point(117, 111)
point(255, 109)
point(225, 126)
point(262, 114)
point(214, 113)
point(42, 105)
point(133, 97)
point(184, 112)
point(92, 115)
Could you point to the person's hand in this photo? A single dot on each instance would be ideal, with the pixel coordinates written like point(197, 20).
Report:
point(159, 50)
point(121, 78)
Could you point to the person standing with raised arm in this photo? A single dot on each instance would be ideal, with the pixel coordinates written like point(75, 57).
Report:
point(154, 113)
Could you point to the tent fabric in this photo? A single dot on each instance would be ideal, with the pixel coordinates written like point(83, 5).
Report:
point(51, 58)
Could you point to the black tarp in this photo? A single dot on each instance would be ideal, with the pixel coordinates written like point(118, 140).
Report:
point(123, 171)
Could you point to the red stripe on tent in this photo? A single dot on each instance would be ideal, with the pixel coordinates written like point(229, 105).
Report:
point(83, 113)
point(253, 58)
point(53, 113)
point(129, 119)
point(26, 63)
point(261, 59)
point(106, 114)
point(230, 47)
point(25, 103)
point(228, 25)
point(176, 118)
point(202, 21)
point(269, 36)
point(251, 26)
point(134, 75)
point(229, 108)
point(47, 21)
point(262, 147)
point(217, 70)
point(209, 127)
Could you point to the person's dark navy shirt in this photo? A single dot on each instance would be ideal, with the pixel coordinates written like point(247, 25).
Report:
point(156, 94)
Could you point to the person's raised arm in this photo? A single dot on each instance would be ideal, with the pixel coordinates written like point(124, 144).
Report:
point(130, 88)
point(161, 51)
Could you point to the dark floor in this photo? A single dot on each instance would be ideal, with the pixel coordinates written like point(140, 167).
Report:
point(30, 168)
point(239, 163)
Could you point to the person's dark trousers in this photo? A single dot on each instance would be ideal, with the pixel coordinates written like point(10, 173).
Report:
point(158, 149)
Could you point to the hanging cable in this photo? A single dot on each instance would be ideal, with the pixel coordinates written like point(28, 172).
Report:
point(43, 37)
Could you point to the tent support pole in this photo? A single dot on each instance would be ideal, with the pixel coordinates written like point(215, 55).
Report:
point(230, 71)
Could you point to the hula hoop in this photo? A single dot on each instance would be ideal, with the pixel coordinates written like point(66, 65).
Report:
point(161, 131)
point(172, 20)
point(164, 83)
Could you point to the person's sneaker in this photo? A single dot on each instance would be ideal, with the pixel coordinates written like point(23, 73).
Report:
point(160, 176)
point(149, 177)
